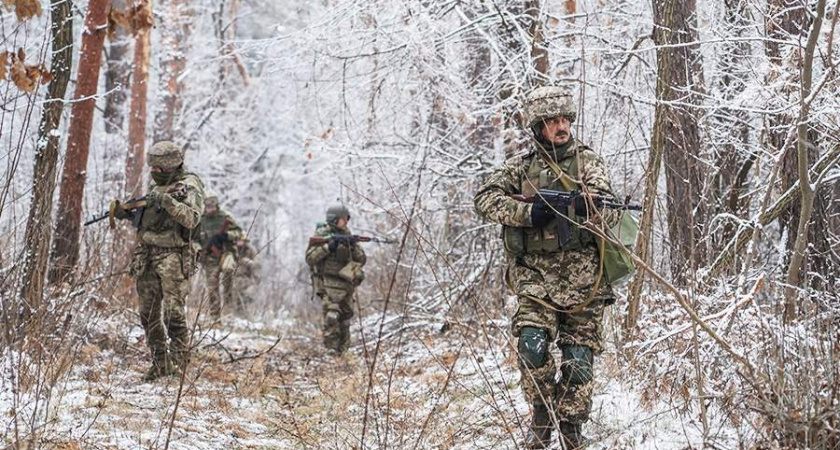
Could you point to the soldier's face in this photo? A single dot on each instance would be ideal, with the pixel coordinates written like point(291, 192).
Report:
point(210, 208)
point(341, 223)
point(557, 130)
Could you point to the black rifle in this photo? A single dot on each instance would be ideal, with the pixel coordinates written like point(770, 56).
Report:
point(560, 201)
point(348, 239)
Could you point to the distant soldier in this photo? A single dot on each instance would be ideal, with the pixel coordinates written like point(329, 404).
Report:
point(556, 279)
point(219, 233)
point(336, 271)
point(247, 276)
point(164, 257)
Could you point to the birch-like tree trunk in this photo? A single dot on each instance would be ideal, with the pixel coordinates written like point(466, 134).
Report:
point(39, 222)
point(175, 32)
point(65, 250)
point(117, 74)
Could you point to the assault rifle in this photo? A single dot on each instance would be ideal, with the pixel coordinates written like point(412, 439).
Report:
point(560, 201)
point(348, 239)
point(135, 206)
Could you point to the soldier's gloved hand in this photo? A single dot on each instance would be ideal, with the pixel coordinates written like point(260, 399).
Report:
point(333, 245)
point(152, 199)
point(541, 214)
point(581, 208)
point(218, 240)
point(119, 213)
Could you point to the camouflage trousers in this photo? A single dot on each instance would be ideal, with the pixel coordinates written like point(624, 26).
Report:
point(337, 309)
point(572, 402)
point(216, 279)
point(245, 289)
point(163, 289)
point(555, 295)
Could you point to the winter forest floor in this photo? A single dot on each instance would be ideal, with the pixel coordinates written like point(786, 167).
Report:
point(268, 385)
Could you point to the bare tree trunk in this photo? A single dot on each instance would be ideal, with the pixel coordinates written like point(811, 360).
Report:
point(65, 251)
point(643, 240)
point(532, 74)
point(806, 190)
point(173, 60)
point(481, 135)
point(789, 20)
point(730, 126)
point(39, 223)
point(539, 51)
point(137, 116)
point(679, 138)
point(118, 74)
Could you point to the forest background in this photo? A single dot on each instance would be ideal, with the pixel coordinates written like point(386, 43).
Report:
point(721, 117)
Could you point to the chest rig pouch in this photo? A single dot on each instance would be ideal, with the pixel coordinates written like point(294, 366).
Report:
point(158, 228)
point(545, 240)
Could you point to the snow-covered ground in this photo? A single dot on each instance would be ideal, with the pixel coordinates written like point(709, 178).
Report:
point(269, 386)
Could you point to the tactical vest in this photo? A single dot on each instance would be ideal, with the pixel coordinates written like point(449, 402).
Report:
point(211, 225)
point(545, 240)
point(334, 262)
point(158, 228)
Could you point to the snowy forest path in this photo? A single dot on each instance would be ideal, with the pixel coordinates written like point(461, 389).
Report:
point(270, 385)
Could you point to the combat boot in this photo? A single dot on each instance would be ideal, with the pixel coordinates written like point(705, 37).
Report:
point(159, 369)
point(539, 435)
point(570, 436)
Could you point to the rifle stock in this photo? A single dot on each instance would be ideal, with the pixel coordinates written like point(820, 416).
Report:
point(128, 206)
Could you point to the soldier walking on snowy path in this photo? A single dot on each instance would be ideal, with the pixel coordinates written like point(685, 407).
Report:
point(555, 278)
point(164, 258)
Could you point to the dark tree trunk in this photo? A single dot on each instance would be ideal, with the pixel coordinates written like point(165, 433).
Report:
point(65, 251)
point(39, 222)
point(789, 20)
point(676, 132)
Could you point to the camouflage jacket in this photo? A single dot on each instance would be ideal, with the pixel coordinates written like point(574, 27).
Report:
point(553, 275)
point(325, 265)
point(213, 224)
point(170, 222)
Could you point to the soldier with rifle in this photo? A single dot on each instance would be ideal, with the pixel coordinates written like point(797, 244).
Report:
point(336, 260)
point(219, 234)
point(549, 199)
point(164, 257)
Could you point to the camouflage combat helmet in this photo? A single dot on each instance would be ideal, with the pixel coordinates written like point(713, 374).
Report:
point(336, 212)
point(166, 155)
point(547, 102)
point(211, 199)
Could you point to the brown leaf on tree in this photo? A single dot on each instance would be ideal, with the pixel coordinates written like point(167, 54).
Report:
point(4, 65)
point(118, 19)
point(20, 76)
point(21, 54)
point(45, 74)
point(26, 77)
point(26, 9)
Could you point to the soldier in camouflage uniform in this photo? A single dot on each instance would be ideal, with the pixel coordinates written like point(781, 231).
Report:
point(247, 275)
point(164, 257)
point(559, 298)
point(330, 283)
point(219, 233)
